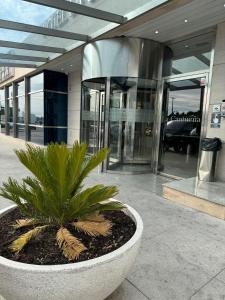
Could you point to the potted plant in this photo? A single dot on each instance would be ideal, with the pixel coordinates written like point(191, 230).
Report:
point(61, 241)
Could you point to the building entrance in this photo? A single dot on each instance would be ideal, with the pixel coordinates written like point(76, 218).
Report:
point(183, 107)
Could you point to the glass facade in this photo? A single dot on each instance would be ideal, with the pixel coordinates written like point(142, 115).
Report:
point(10, 111)
point(2, 116)
point(48, 108)
point(20, 110)
point(36, 108)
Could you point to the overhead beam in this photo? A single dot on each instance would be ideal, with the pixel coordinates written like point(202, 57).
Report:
point(17, 65)
point(23, 57)
point(203, 59)
point(81, 10)
point(25, 46)
point(42, 30)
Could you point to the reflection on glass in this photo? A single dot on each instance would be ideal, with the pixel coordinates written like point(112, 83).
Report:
point(37, 108)
point(2, 104)
point(20, 88)
point(36, 135)
point(55, 135)
point(10, 91)
point(93, 108)
point(182, 126)
point(37, 83)
point(55, 109)
point(20, 129)
point(21, 109)
point(132, 104)
point(10, 110)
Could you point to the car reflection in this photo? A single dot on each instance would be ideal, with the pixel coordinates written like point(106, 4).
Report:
point(182, 136)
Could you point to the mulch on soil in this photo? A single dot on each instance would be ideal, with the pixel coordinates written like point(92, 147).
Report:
point(43, 250)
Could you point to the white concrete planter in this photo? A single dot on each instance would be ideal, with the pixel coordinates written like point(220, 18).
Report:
point(89, 280)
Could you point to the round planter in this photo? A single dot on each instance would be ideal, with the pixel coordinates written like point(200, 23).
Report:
point(88, 280)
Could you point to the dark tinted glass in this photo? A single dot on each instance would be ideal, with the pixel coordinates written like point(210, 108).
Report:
point(37, 108)
point(55, 135)
point(55, 81)
point(55, 109)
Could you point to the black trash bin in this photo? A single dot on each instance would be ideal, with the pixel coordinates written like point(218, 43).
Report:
point(209, 149)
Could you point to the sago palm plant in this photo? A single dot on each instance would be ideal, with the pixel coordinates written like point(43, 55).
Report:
point(55, 196)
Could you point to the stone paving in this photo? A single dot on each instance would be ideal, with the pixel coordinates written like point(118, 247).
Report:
point(182, 256)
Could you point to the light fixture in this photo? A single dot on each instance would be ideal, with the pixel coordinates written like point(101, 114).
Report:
point(186, 46)
point(71, 65)
point(186, 20)
point(156, 32)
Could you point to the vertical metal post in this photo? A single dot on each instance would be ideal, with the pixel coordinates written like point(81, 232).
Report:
point(27, 108)
point(15, 109)
point(106, 122)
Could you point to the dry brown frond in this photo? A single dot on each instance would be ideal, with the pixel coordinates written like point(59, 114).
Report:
point(23, 223)
point(23, 239)
point(94, 225)
point(69, 244)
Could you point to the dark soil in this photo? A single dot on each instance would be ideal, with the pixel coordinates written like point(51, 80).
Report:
point(43, 250)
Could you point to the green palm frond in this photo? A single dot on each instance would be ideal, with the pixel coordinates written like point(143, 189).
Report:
point(55, 193)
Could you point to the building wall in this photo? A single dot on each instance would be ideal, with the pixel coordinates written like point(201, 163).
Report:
point(18, 73)
point(217, 95)
point(74, 101)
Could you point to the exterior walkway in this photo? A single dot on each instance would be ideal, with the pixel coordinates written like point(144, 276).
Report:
point(182, 256)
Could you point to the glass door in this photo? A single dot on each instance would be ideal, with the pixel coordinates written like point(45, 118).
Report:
point(183, 106)
point(93, 114)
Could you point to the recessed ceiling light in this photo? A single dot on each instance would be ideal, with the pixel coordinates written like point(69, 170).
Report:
point(186, 20)
point(186, 46)
point(156, 32)
point(71, 65)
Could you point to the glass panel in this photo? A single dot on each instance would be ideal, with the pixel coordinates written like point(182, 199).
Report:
point(53, 135)
point(20, 129)
point(182, 126)
point(20, 88)
point(131, 117)
point(10, 110)
point(2, 116)
point(37, 83)
point(37, 108)
point(93, 107)
point(10, 129)
point(55, 81)
point(36, 135)
point(21, 109)
point(10, 91)
point(55, 109)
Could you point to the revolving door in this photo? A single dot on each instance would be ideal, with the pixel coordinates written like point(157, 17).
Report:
point(120, 85)
point(124, 123)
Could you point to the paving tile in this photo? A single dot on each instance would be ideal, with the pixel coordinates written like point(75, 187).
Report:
point(214, 290)
point(126, 291)
point(162, 274)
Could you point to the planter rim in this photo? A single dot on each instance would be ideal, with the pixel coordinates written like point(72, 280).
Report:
point(79, 265)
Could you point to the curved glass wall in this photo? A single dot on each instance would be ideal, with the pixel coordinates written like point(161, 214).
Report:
point(124, 123)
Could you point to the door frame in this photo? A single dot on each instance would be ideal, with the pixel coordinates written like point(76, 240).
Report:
point(158, 118)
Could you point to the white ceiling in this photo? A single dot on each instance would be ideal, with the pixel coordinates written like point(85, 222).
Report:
point(198, 31)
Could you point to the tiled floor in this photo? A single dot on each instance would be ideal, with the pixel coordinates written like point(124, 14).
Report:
point(182, 256)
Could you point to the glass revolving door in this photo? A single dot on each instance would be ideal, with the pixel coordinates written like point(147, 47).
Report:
point(121, 120)
point(131, 119)
point(93, 111)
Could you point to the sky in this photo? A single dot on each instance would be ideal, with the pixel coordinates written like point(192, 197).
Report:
point(24, 12)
